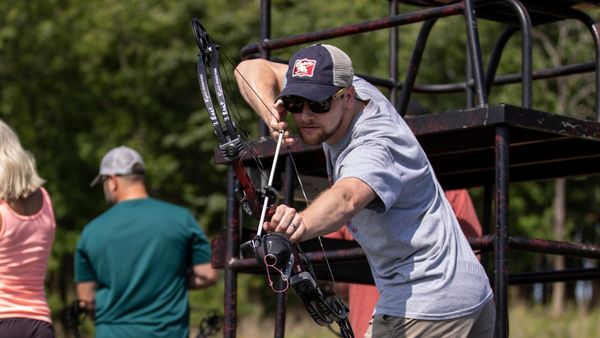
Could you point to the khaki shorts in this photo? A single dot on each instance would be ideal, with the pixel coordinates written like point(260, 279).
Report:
point(476, 325)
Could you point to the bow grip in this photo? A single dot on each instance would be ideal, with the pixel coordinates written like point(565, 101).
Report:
point(251, 196)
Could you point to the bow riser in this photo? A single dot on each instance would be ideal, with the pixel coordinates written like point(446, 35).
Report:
point(251, 195)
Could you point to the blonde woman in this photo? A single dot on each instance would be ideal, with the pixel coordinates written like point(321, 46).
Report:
point(26, 234)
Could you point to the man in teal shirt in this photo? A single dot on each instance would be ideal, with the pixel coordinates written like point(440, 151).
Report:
point(135, 262)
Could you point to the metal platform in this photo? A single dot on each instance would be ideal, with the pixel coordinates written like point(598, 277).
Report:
point(484, 145)
point(540, 11)
point(460, 146)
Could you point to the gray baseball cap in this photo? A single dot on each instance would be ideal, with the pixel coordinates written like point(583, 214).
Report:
point(120, 161)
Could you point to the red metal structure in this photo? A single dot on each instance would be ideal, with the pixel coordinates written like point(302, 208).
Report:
point(489, 145)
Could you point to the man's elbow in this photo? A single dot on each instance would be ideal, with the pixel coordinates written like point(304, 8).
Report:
point(242, 68)
point(213, 278)
point(203, 279)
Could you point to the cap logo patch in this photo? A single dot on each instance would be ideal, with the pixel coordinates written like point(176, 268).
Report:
point(304, 67)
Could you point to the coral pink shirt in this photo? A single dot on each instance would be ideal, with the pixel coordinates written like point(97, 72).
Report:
point(25, 244)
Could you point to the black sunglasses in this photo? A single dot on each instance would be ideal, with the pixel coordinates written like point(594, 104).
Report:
point(295, 104)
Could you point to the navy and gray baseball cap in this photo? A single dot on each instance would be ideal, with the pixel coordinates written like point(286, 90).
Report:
point(120, 161)
point(317, 72)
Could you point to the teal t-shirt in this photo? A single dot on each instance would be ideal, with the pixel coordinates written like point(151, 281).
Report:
point(139, 252)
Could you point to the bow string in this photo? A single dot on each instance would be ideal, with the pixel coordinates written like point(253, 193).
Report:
point(272, 250)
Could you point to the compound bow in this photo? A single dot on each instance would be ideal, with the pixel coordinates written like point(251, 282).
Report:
point(272, 250)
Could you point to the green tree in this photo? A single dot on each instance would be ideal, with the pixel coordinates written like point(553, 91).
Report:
point(80, 77)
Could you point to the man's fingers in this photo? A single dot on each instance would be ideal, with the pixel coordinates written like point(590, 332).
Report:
point(279, 218)
point(294, 230)
point(287, 138)
point(297, 232)
point(287, 221)
point(278, 124)
point(282, 226)
point(288, 141)
point(267, 227)
point(280, 108)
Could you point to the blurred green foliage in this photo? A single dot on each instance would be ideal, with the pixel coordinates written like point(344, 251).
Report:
point(78, 78)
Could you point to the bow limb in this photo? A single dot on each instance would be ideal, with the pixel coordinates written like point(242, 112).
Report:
point(231, 145)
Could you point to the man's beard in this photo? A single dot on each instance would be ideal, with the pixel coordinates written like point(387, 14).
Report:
point(322, 135)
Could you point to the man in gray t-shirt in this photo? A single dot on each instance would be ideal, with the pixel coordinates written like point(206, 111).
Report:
point(383, 188)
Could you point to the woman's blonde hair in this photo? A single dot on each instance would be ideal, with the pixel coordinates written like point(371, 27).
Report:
point(18, 176)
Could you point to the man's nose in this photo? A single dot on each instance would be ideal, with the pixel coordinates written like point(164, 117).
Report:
point(307, 112)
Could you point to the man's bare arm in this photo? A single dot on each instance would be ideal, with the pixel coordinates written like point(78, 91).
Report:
point(328, 213)
point(260, 83)
point(201, 276)
point(86, 292)
point(336, 207)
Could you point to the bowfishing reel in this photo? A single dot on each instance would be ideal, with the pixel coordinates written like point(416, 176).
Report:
point(273, 250)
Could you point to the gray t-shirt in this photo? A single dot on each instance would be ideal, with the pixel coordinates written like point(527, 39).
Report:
point(422, 263)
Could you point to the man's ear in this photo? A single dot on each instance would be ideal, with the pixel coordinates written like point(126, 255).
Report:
point(113, 183)
point(351, 95)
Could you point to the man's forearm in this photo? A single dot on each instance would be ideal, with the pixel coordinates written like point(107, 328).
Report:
point(325, 217)
point(199, 282)
point(260, 83)
point(336, 207)
point(201, 276)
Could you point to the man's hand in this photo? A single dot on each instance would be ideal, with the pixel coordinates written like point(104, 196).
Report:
point(287, 221)
point(277, 123)
point(86, 292)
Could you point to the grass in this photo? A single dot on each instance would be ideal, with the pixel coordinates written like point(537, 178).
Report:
point(525, 322)
point(537, 321)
